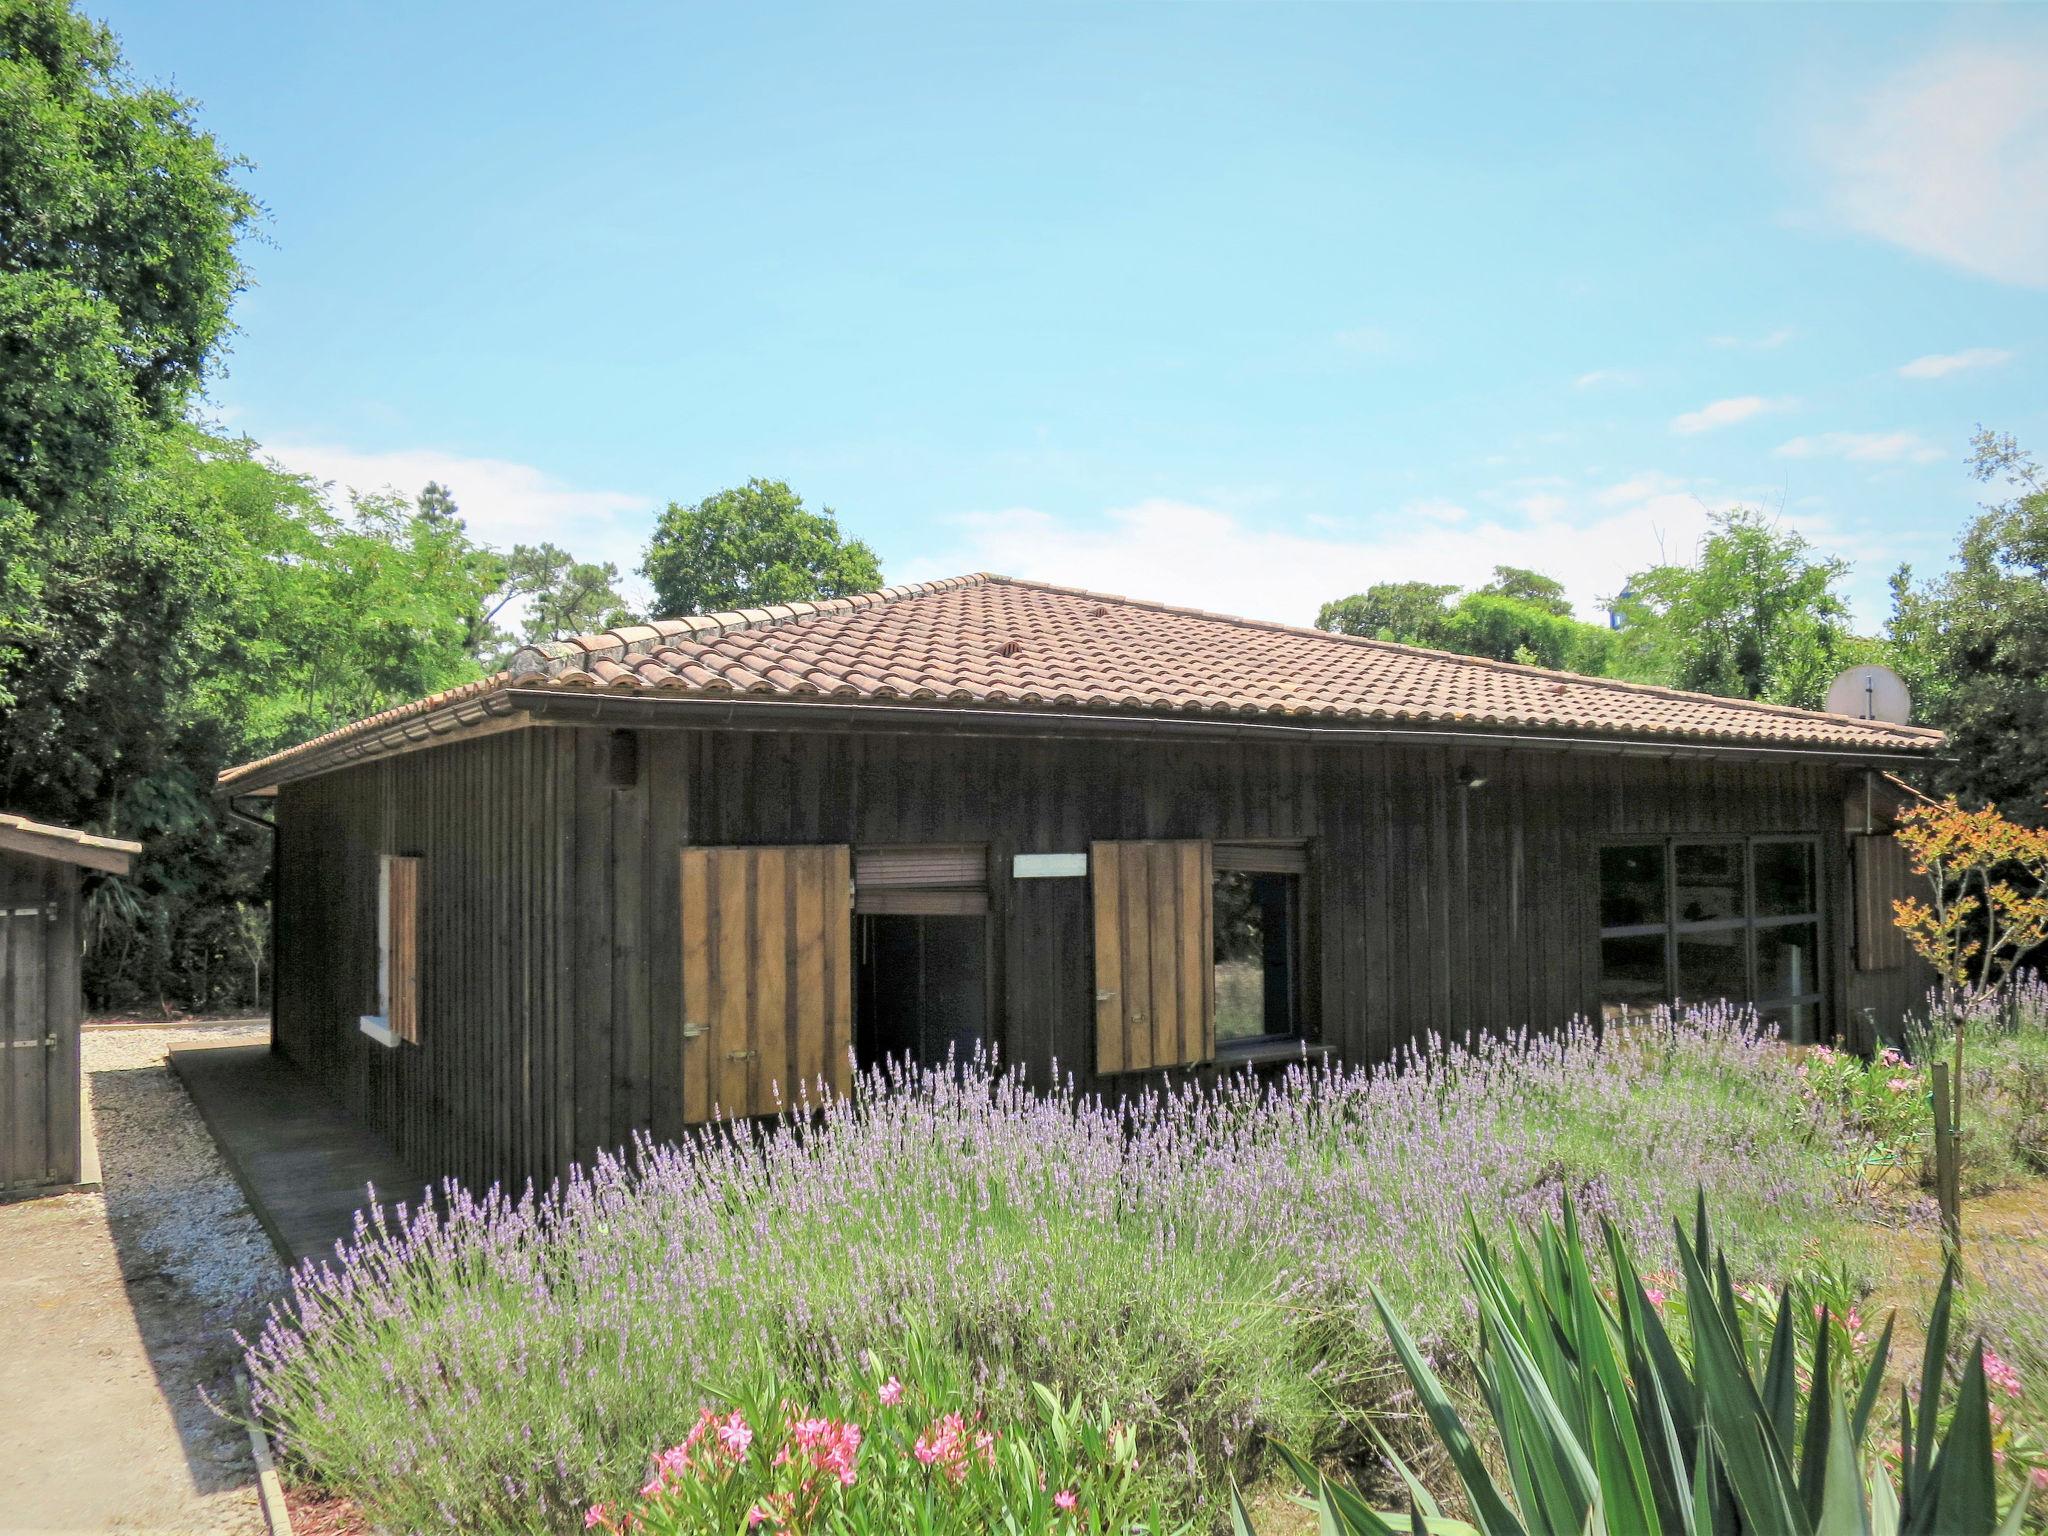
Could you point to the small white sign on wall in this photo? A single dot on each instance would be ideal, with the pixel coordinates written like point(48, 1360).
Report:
point(1048, 866)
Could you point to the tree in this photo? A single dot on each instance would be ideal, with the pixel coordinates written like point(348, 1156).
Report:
point(1519, 616)
point(1411, 612)
point(1973, 643)
point(750, 546)
point(1757, 616)
point(562, 596)
point(1987, 911)
point(1530, 587)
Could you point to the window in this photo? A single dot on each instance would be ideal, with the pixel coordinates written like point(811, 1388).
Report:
point(1256, 927)
point(1705, 920)
point(398, 953)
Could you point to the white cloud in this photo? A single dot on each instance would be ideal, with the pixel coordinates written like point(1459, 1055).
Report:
point(1949, 160)
point(1180, 552)
point(503, 502)
point(1939, 365)
point(1863, 447)
point(1770, 341)
point(1607, 378)
point(1724, 413)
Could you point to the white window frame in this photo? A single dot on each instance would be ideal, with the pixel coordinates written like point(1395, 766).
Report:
point(378, 1025)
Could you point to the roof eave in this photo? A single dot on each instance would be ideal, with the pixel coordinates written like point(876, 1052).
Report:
point(742, 711)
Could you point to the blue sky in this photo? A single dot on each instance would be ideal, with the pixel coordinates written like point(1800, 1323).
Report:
point(1245, 307)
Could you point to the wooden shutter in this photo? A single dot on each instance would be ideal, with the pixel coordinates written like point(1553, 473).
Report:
point(1882, 876)
point(767, 977)
point(402, 947)
point(1155, 1003)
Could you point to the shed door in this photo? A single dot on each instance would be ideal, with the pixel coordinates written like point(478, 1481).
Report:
point(767, 977)
point(38, 1027)
point(1154, 1006)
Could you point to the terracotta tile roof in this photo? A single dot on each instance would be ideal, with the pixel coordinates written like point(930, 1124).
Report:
point(994, 642)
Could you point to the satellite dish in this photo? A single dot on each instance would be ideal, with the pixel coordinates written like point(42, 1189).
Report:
point(1871, 693)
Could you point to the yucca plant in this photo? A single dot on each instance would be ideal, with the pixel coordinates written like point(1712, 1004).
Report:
point(1605, 1425)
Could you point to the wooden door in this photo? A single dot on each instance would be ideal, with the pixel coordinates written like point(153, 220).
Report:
point(1154, 1002)
point(39, 1097)
point(767, 977)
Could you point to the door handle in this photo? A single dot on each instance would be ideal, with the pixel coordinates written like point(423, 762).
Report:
point(741, 1055)
point(1104, 997)
point(692, 1031)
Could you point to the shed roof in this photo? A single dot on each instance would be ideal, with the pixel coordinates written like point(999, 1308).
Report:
point(66, 845)
point(987, 643)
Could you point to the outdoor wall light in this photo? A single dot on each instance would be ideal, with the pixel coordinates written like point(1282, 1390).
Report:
point(1470, 777)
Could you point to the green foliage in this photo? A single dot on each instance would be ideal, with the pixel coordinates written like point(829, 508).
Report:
point(880, 1456)
point(1604, 1424)
point(112, 192)
point(1518, 616)
point(1973, 643)
point(1757, 616)
point(1531, 587)
point(562, 596)
point(753, 545)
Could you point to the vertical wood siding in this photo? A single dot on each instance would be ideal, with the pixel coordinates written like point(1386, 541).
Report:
point(551, 964)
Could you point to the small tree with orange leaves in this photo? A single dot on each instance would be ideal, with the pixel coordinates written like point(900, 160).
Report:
point(1989, 881)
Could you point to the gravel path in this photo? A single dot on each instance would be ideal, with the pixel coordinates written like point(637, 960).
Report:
point(115, 1316)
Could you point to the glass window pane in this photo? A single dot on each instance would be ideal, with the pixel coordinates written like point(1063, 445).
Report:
point(1788, 960)
point(1785, 884)
point(1632, 976)
point(1709, 881)
point(1632, 885)
point(1713, 967)
point(1797, 1023)
point(1254, 955)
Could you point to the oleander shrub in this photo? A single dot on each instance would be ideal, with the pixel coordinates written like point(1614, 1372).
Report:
point(1196, 1262)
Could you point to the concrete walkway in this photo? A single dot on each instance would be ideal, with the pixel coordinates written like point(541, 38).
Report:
point(116, 1311)
point(302, 1162)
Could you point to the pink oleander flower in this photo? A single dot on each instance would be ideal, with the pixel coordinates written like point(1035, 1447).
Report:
point(1999, 1373)
point(1900, 1084)
point(1890, 1057)
point(1064, 1501)
point(734, 1436)
point(892, 1392)
point(2040, 1477)
point(595, 1516)
point(756, 1516)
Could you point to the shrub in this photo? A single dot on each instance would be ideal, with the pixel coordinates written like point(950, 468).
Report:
point(1195, 1261)
point(1605, 1424)
point(892, 1457)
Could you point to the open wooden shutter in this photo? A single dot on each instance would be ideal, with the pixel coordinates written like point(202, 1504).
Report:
point(767, 977)
point(1882, 875)
point(402, 947)
point(1154, 1003)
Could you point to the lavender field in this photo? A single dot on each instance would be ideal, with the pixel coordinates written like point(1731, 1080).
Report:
point(1197, 1261)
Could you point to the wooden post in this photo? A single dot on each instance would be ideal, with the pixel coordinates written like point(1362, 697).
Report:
point(1948, 1187)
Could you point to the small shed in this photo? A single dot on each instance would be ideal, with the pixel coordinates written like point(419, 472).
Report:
point(40, 1002)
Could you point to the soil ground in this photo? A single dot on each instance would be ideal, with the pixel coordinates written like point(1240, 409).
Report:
point(115, 1310)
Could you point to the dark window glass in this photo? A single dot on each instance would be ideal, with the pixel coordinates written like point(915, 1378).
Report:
point(1632, 979)
point(1254, 955)
point(1713, 966)
point(1709, 881)
point(1787, 960)
point(1796, 1023)
point(1631, 885)
point(1785, 885)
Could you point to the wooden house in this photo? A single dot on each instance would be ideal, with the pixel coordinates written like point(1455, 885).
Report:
point(42, 1132)
point(648, 877)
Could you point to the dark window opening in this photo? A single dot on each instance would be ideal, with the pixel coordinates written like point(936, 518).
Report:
point(1699, 921)
point(922, 987)
point(1256, 935)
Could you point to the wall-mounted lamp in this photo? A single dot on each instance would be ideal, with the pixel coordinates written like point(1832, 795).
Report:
point(1470, 777)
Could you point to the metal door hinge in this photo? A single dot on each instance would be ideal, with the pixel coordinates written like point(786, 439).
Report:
point(741, 1055)
point(692, 1031)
